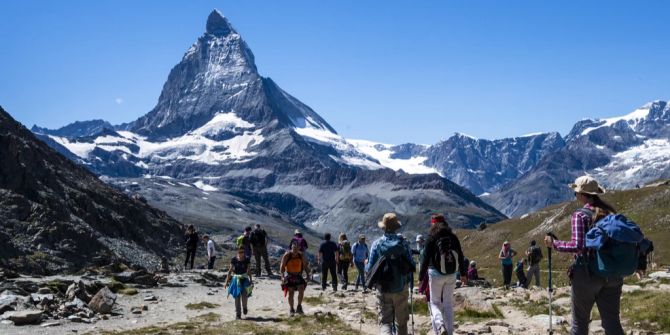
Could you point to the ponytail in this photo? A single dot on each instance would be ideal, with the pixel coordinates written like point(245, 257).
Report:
point(602, 208)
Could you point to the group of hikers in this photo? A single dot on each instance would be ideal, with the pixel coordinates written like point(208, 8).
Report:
point(389, 266)
point(532, 259)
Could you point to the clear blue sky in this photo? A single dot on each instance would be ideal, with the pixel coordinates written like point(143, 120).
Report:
point(390, 71)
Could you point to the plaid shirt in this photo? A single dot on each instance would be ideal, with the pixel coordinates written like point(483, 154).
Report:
point(580, 222)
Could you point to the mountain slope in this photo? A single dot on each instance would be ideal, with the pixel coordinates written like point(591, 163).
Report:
point(620, 152)
point(56, 216)
point(648, 206)
point(219, 125)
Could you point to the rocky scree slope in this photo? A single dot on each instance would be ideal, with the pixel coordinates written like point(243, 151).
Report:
point(56, 216)
point(222, 127)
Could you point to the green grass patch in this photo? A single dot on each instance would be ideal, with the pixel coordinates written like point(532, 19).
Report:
point(421, 307)
point(649, 309)
point(532, 308)
point(208, 324)
point(315, 300)
point(128, 291)
point(201, 305)
point(472, 315)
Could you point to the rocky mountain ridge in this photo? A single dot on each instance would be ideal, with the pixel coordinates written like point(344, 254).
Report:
point(58, 217)
point(219, 126)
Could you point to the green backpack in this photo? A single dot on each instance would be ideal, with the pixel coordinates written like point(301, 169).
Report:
point(240, 241)
point(345, 251)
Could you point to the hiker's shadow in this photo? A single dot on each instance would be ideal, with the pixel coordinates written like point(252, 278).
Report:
point(262, 319)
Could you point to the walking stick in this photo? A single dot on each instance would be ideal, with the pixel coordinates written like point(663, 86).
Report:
point(411, 301)
point(551, 288)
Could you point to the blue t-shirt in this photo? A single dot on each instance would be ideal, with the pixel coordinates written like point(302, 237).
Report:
point(360, 252)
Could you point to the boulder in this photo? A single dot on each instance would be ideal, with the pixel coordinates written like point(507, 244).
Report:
point(24, 317)
point(147, 280)
point(103, 301)
point(8, 303)
point(38, 298)
point(77, 290)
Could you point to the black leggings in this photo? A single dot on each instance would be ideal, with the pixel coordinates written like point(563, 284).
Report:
point(507, 274)
point(190, 253)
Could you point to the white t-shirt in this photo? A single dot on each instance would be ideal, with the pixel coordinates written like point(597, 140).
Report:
point(210, 249)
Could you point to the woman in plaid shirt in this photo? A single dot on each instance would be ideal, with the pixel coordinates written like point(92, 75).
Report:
point(587, 288)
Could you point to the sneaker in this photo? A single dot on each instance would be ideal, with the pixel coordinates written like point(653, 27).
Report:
point(292, 313)
point(299, 310)
point(245, 311)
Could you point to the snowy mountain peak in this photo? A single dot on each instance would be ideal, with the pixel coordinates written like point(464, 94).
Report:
point(218, 25)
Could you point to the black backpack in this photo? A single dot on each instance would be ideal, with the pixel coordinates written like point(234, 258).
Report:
point(257, 237)
point(535, 255)
point(445, 260)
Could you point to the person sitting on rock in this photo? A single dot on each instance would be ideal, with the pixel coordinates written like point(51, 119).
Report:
point(241, 284)
point(293, 264)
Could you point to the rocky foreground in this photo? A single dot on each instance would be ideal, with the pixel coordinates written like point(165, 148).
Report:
point(138, 302)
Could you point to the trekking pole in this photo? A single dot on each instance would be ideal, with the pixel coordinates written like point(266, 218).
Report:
point(550, 288)
point(411, 302)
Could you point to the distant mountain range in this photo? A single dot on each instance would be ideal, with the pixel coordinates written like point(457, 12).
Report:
point(222, 131)
point(220, 126)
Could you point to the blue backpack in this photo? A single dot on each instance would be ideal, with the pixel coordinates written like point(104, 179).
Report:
point(614, 243)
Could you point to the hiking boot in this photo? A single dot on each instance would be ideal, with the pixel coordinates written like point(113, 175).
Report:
point(238, 317)
point(292, 313)
point(245, 311)
point(299, 310)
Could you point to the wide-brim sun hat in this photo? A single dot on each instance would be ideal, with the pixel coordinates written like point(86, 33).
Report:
point(586, 185)
point(297, 231)
point(419, 238)
point(389, 222)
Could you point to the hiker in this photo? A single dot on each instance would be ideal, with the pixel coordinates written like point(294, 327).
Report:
point(506, 256)
point(534, 256)
point(360, 253)
point(241, 283)
point(393, 289)
point(442, 258)
point(293, 264)
point(244, 242)
point(420, 243)
point(472, 271)
point(192, 241)
point(344, 260)
point(522, 280)
point(298, 239)
point(211, 252)
point(588, 288)
point(259, 248)
point(327, 258)
point(644, 259)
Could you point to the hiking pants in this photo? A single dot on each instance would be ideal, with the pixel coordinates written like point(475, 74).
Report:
point(325, 268)
point(210, 262)
point(441, 301)
point(241, 303)
point(588, 289)
point(393, 306)
point(190, 254)
point(534, 271)
point(507, 274)
point(261, 253)
point(343, 272)
point(360, 279)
